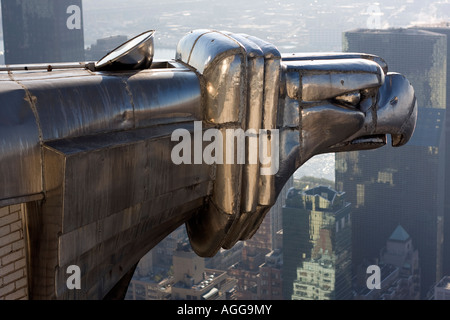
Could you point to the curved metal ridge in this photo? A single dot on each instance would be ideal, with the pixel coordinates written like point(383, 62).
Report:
point(135, 54)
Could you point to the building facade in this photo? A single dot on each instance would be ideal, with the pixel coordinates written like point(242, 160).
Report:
point(444, 29)
point(13, 262)
point(43, 31)
point(442, 289)
point(399, 271)
point(317, 245)
point(390, 186)
point(255, 251)
point(192, 281)
point(270, 285)
point(187, 279)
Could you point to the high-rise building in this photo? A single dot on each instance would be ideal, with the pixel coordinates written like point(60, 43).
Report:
point(270, 277)
point(43, 31)
point(263, 242)
point(399, 277)
point(442, 289)
point(160, 259)
point(225, 258)
point(190, 280)
point(444, 28)
point(317, 245)
point(403, 186)
point(400, 253)
point(264, 238)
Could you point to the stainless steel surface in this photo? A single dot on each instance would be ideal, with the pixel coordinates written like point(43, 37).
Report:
point(137, 53)
point(90, 152)
point(20, 151)
point(272, 73)
point(47, 67)
point(335, 56)
point(254, 114)
point(326, 103)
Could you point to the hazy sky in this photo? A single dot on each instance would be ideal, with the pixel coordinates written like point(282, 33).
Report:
point(112, 17)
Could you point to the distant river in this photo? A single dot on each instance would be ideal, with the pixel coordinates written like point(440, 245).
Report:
point(320, 166)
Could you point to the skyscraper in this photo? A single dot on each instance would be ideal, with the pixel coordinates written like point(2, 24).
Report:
point(391, 186)
point(442, 289)
point(444, 28)
point(399, 271)
point(43, 31)
point(317, 245)
point(264, 238)
point(270, 286)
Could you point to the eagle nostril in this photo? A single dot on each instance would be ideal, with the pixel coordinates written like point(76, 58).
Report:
point(394, 101)
point(352, 98)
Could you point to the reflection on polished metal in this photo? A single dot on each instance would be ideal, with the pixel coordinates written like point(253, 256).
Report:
point(134, 54)
point(89, 151)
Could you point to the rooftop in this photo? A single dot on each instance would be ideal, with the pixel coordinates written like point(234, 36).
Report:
point(444, 283)
point(322, 191)
point(399, 234)
point(442, 24)
point(403, 31)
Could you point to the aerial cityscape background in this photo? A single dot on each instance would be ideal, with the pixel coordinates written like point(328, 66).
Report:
point(339, 214)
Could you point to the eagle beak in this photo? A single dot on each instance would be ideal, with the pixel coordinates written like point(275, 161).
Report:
point(397, 109)
point(393, 110)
